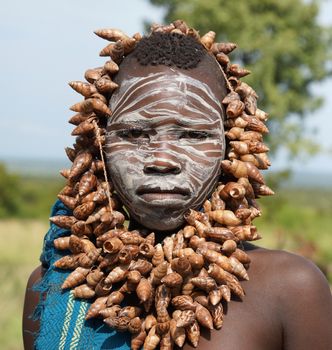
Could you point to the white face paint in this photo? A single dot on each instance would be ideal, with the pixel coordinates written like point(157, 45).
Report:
point(165, 142)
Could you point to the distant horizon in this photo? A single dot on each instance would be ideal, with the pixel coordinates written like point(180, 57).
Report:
point(51, 167)
point(277, 164)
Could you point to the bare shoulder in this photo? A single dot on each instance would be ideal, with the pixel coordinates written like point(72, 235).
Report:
point(287, 270)
point(35, 276)
point(301, 295)
point(31, 301)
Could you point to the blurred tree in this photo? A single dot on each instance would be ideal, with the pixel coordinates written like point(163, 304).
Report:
point(10, 196)
point(27, 196)
point(280, 41)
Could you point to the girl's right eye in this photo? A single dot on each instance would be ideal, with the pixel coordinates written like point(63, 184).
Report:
point(132, 134)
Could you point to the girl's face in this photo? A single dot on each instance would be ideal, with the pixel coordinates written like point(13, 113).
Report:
point(165, 142)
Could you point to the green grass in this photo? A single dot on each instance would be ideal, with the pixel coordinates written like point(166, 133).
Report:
point(20, 247)
point(299, 220)
point(38, 195)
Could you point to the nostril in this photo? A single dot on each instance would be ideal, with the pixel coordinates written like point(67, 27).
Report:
point(162, 168)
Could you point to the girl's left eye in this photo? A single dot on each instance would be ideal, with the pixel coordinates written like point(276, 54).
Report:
point(194, 134)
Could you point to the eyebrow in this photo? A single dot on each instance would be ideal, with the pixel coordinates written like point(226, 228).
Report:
point(129, 123)
point(186, 124)
point(145, 124)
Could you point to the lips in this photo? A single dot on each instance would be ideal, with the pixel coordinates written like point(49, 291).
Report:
point(149, 193)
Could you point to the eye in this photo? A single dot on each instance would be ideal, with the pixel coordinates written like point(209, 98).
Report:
point(132, 134)
point(194, 134)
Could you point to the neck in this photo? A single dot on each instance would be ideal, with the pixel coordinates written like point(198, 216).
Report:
point(160, 235)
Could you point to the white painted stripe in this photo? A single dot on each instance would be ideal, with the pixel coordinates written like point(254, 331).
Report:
point(123, 101)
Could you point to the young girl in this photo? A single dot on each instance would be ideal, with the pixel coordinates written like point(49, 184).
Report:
point(169, 138)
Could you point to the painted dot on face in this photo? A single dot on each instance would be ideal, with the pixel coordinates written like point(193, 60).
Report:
point(164, 145)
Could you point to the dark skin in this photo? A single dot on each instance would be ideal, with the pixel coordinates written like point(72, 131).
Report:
point(287, 306)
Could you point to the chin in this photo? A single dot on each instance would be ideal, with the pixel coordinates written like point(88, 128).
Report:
point(161, 223)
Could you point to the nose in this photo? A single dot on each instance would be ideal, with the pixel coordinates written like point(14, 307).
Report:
point(162, 160)
point(162, 166)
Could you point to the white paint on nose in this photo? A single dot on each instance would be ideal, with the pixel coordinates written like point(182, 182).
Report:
point(162, 166)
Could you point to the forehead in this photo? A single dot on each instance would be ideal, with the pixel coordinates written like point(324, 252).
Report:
point(162, 93)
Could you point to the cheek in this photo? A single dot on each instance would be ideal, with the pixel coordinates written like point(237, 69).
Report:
point(122, 156)
point(205, 173)
point(205, 159)
point(124, 165)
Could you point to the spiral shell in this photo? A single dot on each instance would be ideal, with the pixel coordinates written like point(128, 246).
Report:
point(84, 291)
point(93, 74)
point(110, 67)
point(144, 290)
point(105, 85)
point(159, 272)
point(61, 243)
point(217, 314)
point(137, 340)
point(135, 325)
point(177, 333)
point(82, 88)
point(94, 277)
point(184, 318)
point(112, 245)
point(118, 323)
point(168, 248)
point(152, 339)
point(68, 262)
point(82, 211)
point(222, 276)
point(203, 316)
point(110, 311)
point(116, 275)
point(92, 105)
point(193, 333)
point(143, 266)
point(172, 279)
point(158, 255)
point(224, 217)
point(75, 278)
point(63, 221)
point(166, 342)
point(208, 39)
point(181, 265)
point(242, 169)
point(98, 305)
point(183, 302)
point(205, 283)
point(70, 202)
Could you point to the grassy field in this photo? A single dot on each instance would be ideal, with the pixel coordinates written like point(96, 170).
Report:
point(299, 220)
point(20, 246)
point(38, 195)
point(295, 220)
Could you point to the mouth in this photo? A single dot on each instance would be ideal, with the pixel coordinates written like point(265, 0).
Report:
point(150, 194)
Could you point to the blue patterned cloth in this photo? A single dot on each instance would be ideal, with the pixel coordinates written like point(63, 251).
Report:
point(62, 318)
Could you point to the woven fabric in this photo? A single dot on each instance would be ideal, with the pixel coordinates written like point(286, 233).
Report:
point(62, 318)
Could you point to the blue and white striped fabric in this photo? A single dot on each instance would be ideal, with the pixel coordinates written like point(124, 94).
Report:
point(62, 318)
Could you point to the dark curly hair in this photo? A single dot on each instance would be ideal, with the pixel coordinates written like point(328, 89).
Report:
point(169, 49)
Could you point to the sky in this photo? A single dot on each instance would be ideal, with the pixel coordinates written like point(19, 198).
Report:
point(46, 44)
